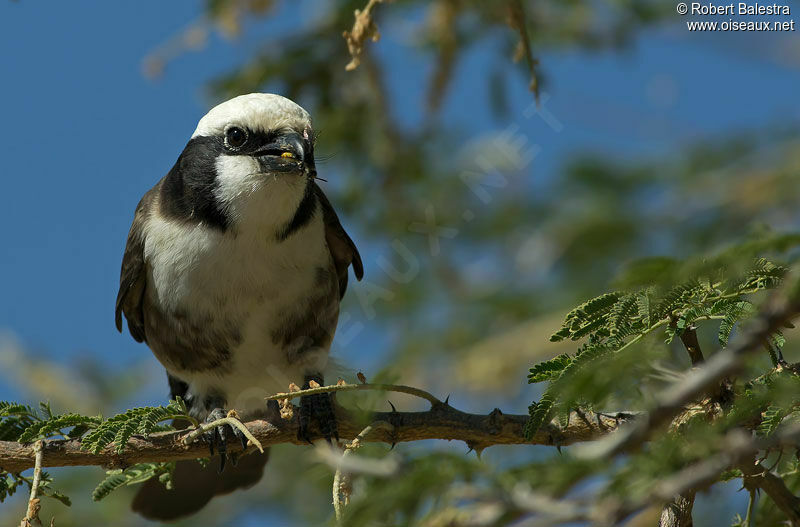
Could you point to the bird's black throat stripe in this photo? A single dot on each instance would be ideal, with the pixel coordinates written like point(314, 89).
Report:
point(187, 193)
point(305, 211)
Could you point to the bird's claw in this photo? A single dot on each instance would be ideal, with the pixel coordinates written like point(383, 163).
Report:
point(220, 435)
point(317, 408)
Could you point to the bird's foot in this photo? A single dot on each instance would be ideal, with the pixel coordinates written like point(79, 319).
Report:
point(317, 408)
point(219, 436)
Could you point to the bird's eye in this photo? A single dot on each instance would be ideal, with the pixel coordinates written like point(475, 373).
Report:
point(235, 137)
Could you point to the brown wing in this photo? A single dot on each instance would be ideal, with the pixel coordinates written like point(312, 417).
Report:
point(133, 276)
point(342, 248)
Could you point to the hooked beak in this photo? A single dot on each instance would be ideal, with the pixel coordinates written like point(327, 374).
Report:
point(285, 154)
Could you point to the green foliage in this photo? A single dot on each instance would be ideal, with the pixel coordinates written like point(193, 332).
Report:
point(120, 428)
point(587, 318)
point(732, 313)
point(541, 411)
point(10, 483)
point(770, 420)
point(133, 475)
point(615, 321)
point(26, 424)
point(763, 275)
point(15, 419)
point(57, 425)
point(549, 370)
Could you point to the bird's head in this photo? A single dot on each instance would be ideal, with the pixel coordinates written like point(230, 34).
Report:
point(251, 159)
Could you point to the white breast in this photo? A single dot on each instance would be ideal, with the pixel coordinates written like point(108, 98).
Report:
point(242, 277)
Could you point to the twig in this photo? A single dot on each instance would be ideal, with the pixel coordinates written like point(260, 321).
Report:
point(737, 447)
point(757, 476)
point(722, 391)
point(31, 518)
point(341, 479)
point(347, 387)
point(230, 421)
point(440, 422)
point(363, 28)
point(518, 22)
point(748, 517)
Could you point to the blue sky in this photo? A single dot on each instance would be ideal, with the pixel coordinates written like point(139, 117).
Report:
point(86, 133)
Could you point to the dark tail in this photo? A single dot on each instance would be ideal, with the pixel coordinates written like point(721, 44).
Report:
point(194, 486)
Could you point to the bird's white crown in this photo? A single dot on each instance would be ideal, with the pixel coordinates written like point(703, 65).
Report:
point(257, 112)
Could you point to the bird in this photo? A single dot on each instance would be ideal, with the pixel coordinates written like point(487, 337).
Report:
point(232, 274)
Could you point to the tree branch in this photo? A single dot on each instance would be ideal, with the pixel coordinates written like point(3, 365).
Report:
point(737, 447)
point(442, 421)
point(781, 308)
point(758, 476)
point(678, 512)
point(690, 342)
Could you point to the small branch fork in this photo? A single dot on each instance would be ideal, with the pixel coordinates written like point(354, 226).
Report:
point(342, 487)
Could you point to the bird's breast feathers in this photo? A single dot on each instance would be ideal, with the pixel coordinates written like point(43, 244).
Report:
point(237, 312)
